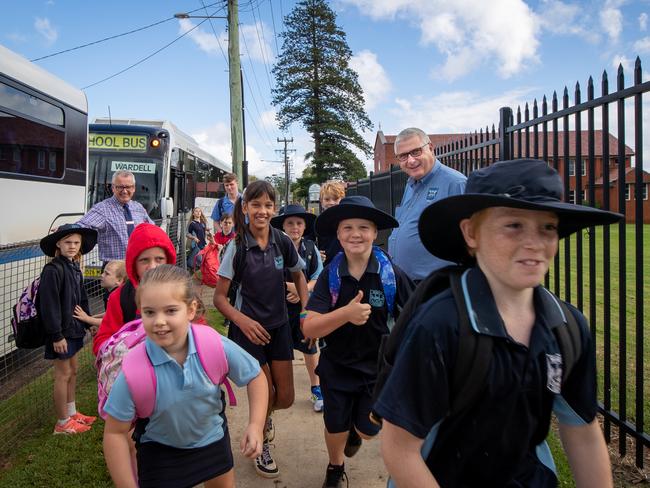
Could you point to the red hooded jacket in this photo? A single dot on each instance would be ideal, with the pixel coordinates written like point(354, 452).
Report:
point(144, 236)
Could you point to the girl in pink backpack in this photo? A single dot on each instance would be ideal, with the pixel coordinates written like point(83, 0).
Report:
point(183, 441)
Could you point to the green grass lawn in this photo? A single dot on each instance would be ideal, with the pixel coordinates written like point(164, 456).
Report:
point(620, 325)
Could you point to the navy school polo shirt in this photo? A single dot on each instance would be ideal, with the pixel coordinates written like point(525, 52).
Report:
point(500, 440)
point(313, 268)
point(353, 348)
point(262, 294)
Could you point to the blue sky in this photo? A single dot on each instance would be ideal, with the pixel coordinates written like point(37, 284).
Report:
point(443, 65)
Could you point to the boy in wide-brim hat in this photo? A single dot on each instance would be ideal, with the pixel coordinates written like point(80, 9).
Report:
point(296, 222)
point(350, 308)
point(506, 228)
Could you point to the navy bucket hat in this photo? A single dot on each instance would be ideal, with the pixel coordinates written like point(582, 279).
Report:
point(353, 207)
point(294, 210)
point(528, 184)
point(88, 238)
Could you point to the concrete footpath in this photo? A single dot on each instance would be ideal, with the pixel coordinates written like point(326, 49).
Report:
point(299, 445)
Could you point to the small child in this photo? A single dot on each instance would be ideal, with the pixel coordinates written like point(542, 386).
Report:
point(113, 276)
point(60, 291)
point(352, 324)
point(505, 228)
point(147, 248)
point(296, 222)
point(185, 440)
point(331, 194)
point(227, 231)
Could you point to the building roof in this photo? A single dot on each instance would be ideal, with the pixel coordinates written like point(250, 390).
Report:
point(629, 176)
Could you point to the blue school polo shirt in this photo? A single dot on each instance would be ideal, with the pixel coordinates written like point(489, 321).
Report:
point(500, 440)
point(262, 294)
point(404, 244)
point(186, 414)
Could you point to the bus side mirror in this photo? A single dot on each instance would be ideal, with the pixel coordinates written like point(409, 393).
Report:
point(167, 207)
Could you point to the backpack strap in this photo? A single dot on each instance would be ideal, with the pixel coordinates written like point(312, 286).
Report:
point(473, 356)
point(141, 380)
point(127, 302)
point(212, 356)
point(310, 257)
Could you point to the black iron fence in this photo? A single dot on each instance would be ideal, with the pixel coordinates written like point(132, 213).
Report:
point(602, 270)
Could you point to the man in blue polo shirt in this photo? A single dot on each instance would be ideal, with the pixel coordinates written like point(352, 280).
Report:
point(429, 180)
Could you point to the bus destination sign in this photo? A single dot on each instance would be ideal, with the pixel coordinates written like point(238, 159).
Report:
point(133, 167)
point(117, 142)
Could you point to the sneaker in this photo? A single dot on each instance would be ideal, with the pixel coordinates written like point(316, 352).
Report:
point(264, 463)
point(353, 444)
point(317, 398)
point(334, 477)
point(83, 419)
point(269, 430)
point(70, 427)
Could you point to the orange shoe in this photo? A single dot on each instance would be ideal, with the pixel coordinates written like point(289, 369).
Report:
point(70, 427)
point(83, 419)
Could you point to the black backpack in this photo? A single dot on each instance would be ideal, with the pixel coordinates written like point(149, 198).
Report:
point(127, 302)
point(474, 350)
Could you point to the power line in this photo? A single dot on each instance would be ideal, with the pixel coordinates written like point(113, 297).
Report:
point(215, 32)
point(145, 58)
point(112, 37)
point(275, 33)
point(262, 49)
point(259, 115)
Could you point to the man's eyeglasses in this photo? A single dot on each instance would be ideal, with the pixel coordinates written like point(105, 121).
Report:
point(124, 187)
point(414, 153)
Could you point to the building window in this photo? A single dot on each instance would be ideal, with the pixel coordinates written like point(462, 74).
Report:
point(572, 196)
point(645, 191)
point(52, 156)
point(572, 167)
point(628, 191)
point(41, 159)
point(16, 155)
point(583, 171)
point(584, 196)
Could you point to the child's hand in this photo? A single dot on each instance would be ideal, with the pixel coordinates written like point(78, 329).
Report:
point(292, 297)
point(80, 314)
point(323, 255)
point(254, 332)
point(251, 442)
point(61, 347)
point(358, 312)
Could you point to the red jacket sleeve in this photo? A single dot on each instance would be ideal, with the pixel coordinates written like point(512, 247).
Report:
point(112, 322)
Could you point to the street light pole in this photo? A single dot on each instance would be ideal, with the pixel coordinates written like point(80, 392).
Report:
point(234, 68)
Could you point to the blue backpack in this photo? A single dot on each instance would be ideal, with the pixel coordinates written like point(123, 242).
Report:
point(386, 273)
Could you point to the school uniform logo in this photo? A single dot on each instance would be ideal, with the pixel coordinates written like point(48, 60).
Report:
point(554, 372)
point(431, 193)
point(376, 298)
point(279, 262)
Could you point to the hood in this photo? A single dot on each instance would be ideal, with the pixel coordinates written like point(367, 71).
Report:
point(145, 236)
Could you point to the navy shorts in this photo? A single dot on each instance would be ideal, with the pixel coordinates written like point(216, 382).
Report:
point(347, 408)
point(280, 348)
point(297, 337)
point(74, 346)
point(162, 466)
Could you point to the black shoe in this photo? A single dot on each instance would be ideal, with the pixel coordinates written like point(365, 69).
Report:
point(353, 444)
point(334, 477)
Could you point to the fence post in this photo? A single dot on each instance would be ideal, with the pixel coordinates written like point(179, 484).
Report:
point(505, 121)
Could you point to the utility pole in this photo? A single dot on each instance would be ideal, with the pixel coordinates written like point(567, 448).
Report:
point(286, 167)
point(236, 107)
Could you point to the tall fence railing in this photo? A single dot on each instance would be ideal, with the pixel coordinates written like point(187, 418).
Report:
point(602, 270)
point(25, 377)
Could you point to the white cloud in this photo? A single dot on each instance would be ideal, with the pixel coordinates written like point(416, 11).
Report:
point(611, 20)
point(501, 32)
point(44, 28)
point(564, 18)
point(372, 77)
point(642, 46)
point(254, 42)
point(643, 21)
point(16, 37)
point(627, 63)
point(267, 119)
point(205, 38)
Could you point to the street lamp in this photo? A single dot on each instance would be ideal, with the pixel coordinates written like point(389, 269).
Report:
point(235, 83)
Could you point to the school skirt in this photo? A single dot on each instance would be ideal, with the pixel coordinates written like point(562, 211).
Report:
point(161, 466)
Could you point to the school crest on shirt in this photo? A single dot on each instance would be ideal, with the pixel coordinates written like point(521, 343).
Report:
point(376, 298)
point(432, 192)
point(279, 262)
point(554, 372)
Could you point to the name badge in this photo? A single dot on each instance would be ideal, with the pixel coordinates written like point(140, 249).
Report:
point(279, 262)
point(431, 193)
point(376, 298)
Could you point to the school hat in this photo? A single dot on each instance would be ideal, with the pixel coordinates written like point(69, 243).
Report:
point(528, 184)
point(294, 210)
point(88, 238)
point(353, 207)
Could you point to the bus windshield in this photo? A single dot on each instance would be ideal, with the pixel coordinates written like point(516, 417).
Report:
point(148, 178)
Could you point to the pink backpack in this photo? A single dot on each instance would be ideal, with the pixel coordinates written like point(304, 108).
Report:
point(125, 351)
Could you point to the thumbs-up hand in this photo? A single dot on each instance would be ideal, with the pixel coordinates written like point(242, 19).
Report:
point(358, 312)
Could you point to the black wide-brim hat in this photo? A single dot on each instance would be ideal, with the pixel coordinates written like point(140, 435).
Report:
point(353, 207)
point(528, 184)
point(88, 238)
point(294, 210)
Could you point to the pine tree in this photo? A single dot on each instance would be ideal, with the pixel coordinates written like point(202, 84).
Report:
point(316, 87)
